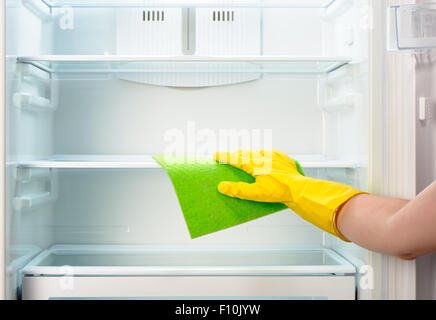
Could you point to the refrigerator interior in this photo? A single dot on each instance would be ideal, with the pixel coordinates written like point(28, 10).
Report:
point(95, 88)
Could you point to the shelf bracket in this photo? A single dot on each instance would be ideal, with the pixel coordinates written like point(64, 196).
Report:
point(33, 200)
point(30, 102)
point(34, 102)
point(344, 103)
point(25, 175)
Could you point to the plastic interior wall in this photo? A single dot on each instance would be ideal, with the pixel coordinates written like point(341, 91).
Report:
point(112, 113)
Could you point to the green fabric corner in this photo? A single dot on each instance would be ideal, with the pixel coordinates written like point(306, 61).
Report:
point(204, 208)
point(299, 168)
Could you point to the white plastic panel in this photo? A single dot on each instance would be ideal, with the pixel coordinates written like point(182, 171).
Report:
point(282, 287)
point(149, 31)
point(134, 119)
point(287, 32)
point(228, 32)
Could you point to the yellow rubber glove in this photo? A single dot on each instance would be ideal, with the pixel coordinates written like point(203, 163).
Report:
point(278, 180)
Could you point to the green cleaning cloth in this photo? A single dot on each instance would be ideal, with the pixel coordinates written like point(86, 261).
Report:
point(204, 208)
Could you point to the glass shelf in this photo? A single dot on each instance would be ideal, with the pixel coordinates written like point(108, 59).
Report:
point(412, 27)
point(190, 3)
point(185, 64)
point(147, 162)
point(165, 260)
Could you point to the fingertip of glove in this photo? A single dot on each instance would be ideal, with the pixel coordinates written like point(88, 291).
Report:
point(224, 187)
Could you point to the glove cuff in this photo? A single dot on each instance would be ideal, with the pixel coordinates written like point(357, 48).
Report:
point(337, 233)
point(336, 214)
point(323, 214)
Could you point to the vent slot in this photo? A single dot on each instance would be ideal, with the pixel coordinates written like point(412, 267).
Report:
point(223, 15)
point(153, 15)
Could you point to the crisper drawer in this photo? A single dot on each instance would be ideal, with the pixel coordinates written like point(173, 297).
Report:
point(163, 272)
point(190, 287)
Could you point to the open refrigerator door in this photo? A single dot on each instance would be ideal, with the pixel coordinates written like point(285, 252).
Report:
point(413, 35)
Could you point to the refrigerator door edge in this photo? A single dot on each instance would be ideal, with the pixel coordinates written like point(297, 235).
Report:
point(392, 163)
point(2, 154)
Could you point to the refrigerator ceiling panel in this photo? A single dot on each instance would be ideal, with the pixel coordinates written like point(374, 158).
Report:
point(190, 3)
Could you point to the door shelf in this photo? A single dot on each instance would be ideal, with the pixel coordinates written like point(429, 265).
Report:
point(147, 162)
point(412, 27)
point(189, 3)
point(86, 260)
point(185, 64)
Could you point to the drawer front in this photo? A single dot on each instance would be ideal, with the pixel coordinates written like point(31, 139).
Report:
point(189, 287)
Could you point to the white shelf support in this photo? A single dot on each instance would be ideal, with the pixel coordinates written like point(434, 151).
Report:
point(37, 78)
point(31, 201)
point(340, 76)
point(38, 8)
point(341, 104)
point(32, 103)
point(28, 176)
point(27, 72)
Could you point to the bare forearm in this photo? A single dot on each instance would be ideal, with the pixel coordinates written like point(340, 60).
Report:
point(364, 220)
point(406, 229)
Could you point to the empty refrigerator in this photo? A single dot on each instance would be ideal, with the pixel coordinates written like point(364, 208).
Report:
point(95, 88)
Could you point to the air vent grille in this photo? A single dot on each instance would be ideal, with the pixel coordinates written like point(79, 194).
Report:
point(223, 15)
point(153, 15)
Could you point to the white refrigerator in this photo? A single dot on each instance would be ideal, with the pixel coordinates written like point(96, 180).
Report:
point(93, 88)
